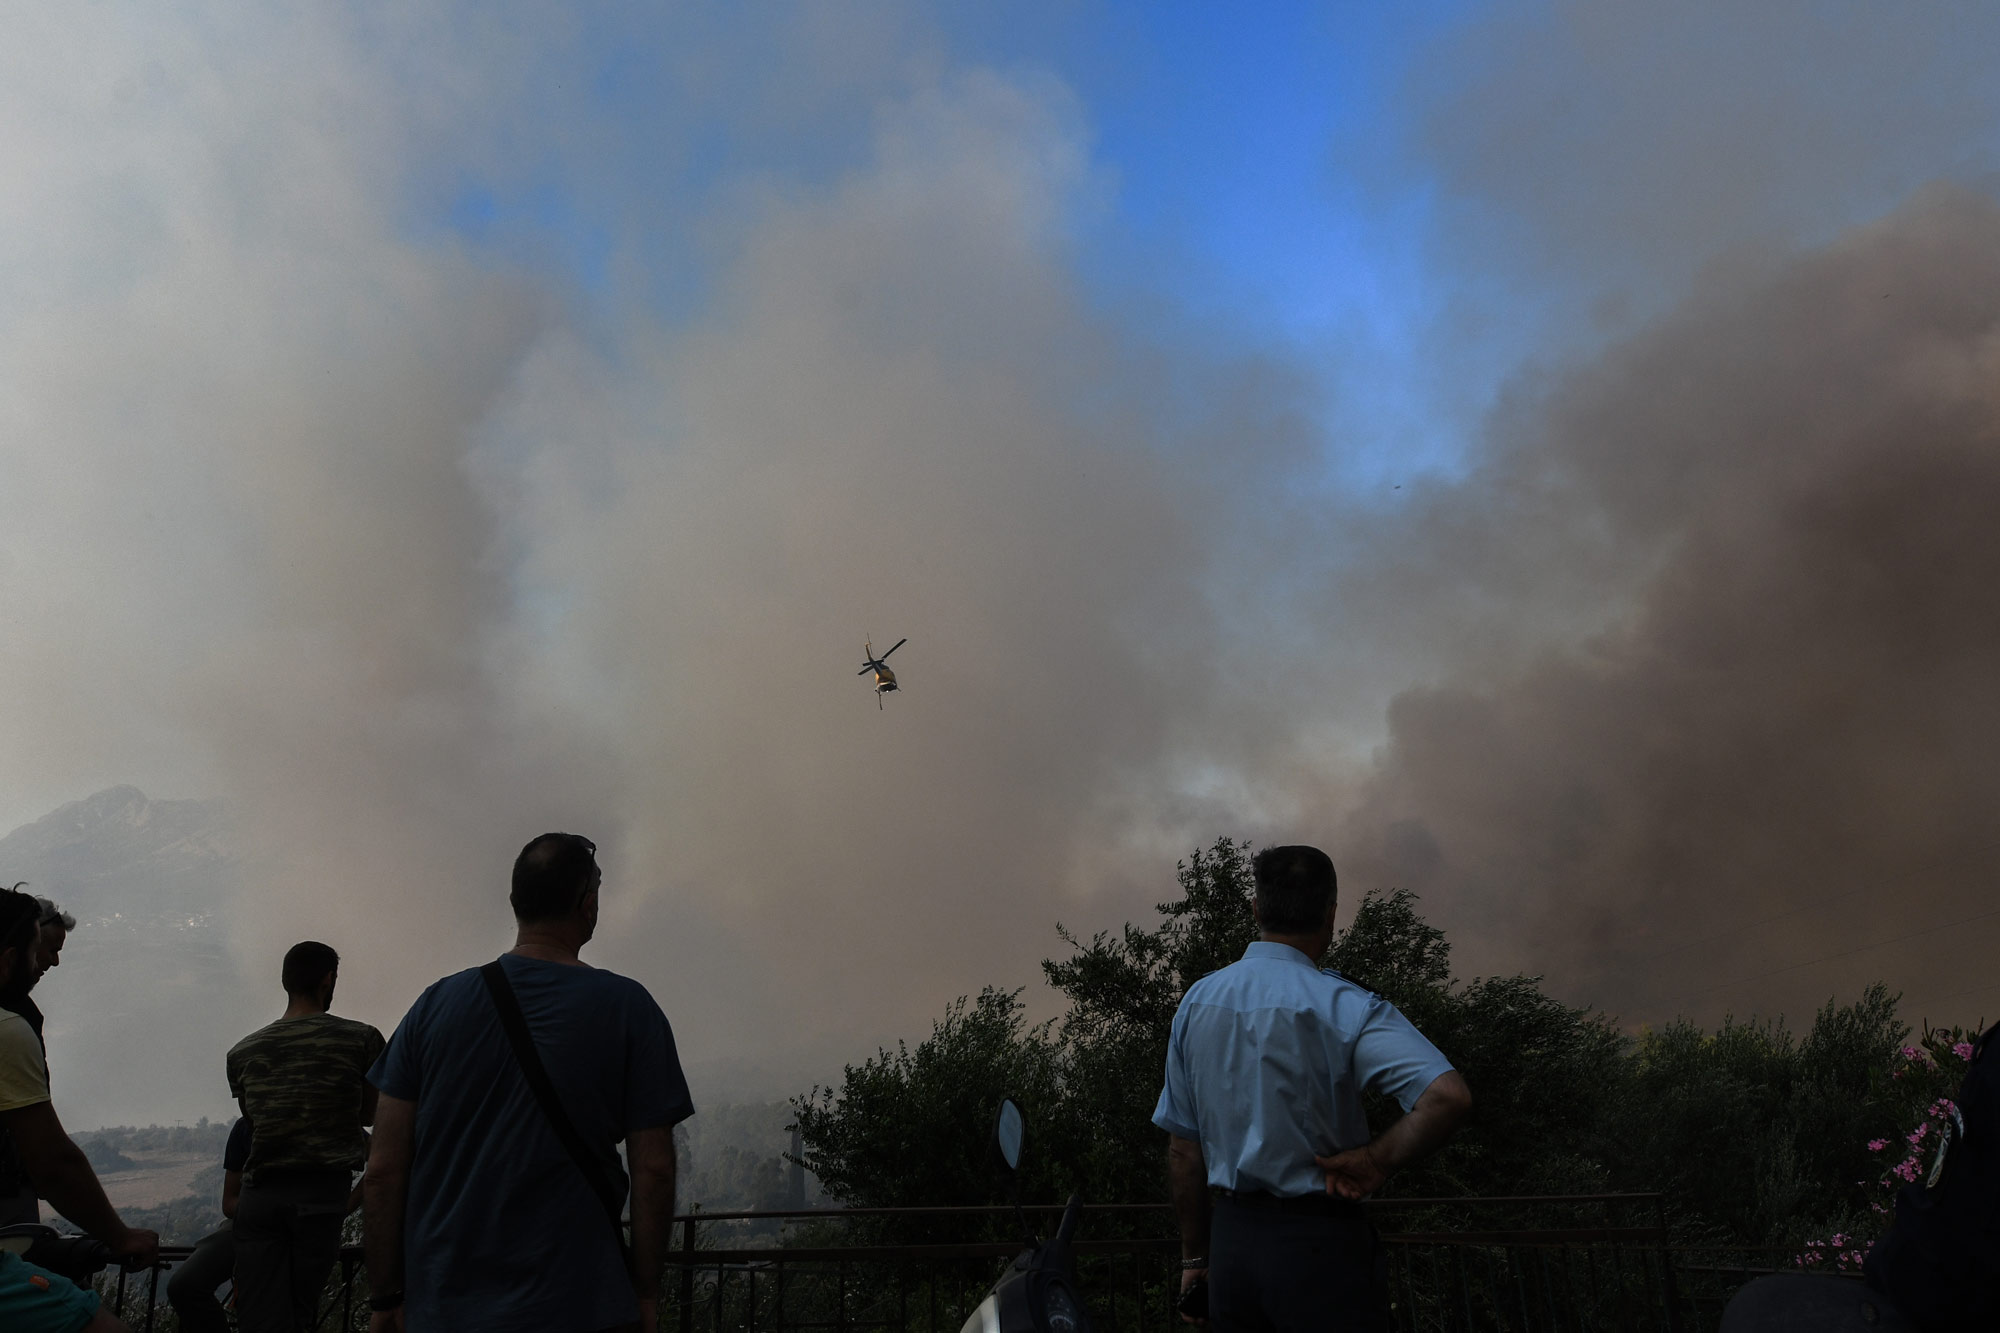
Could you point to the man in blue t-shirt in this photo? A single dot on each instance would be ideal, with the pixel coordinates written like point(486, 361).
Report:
point(477, 1215)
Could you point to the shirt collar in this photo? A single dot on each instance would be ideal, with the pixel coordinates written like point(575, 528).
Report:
point(1284, 953)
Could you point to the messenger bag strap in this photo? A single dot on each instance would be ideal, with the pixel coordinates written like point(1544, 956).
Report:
point(530, 1060)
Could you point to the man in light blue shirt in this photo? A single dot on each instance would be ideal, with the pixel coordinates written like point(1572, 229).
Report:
point(1269, 1154)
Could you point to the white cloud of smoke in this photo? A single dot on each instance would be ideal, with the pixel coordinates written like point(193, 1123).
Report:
point(411, 554)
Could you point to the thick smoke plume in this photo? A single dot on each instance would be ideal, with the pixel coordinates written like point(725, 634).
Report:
point(1782, 747)
point(411, 545)
point(409, 561)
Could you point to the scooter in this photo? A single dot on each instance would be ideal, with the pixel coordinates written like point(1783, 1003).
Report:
point(1037, 1293)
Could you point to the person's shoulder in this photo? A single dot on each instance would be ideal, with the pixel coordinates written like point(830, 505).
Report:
point(352, 1029)
point(1210, 986)
point(624, 990)
point(14, 1029)
point(442, 997)
point(1341, 984)
point(250, 1042)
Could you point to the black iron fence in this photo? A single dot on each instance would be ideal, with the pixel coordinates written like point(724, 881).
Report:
point(1555, 1264)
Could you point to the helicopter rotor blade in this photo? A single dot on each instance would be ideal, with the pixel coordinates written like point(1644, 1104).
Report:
point(899, 644)
point(866, 669)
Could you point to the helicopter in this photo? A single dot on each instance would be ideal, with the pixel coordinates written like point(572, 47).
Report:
point(885, 679)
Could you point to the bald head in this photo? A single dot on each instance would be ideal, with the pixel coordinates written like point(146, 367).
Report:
point(552, 876)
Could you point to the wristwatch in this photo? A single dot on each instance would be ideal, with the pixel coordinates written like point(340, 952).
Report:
point(379, 1301)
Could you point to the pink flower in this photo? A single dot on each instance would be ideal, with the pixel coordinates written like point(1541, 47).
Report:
point(1962, 1049)
point(1877, 1145)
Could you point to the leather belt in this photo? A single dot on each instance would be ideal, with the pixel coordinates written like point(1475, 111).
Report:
point(1311, 1205)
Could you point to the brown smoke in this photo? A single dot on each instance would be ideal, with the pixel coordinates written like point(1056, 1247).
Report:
point(410, 548)
point(1783, 746)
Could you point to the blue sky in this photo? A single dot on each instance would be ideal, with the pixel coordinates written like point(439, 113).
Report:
point(1258, 164)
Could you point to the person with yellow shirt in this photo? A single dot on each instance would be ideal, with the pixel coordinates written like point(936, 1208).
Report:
point(33, 1300)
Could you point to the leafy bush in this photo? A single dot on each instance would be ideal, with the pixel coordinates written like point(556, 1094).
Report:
point(1756, 1137)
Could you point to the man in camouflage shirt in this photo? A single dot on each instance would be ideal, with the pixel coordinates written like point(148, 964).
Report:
point(302, 1082)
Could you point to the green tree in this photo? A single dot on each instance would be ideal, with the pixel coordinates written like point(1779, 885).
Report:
point(915, 1126)
point(1756, 1136)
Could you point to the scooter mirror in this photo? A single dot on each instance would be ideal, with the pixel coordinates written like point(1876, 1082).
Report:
point(1007, 1134)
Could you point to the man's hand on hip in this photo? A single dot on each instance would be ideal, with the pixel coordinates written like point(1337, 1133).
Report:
point(1354, 1174)
point(1359, 1172)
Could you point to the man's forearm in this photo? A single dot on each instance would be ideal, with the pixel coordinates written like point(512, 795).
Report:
point(652, 1226)
point(1436, 1116)
point(65, 1179)
point(383, 1198)
point(1187, 1180)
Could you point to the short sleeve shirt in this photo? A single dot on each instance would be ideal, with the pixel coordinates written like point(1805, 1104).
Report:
point(501, 1230)
point(301, 1081)
point(24, 1074)
point(1267, 1062)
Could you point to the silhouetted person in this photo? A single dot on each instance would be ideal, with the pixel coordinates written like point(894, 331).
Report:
point(1940, 1262)
point(482, 1212)
point(302, 1081)
point(1268, 1152)
point(1937, 1270)
point(17, 1197)
point(32, 1298)
point(191, 1290)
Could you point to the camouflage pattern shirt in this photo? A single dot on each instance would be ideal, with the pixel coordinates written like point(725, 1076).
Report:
point(301, 1081)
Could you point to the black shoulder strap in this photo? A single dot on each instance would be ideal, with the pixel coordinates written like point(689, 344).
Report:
point(516, 1025)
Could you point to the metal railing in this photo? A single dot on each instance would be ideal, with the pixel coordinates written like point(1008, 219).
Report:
point(1556, 1263)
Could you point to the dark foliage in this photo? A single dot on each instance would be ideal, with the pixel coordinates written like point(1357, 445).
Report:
point(1755, 1136)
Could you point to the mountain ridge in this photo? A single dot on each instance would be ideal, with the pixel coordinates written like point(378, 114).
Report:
point(117, 854)
point(147, 977)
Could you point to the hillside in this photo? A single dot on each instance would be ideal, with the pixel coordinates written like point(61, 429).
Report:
point(151, 884)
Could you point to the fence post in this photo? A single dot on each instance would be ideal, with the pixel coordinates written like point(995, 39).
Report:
point(1668, 1289)
point(687, 1274)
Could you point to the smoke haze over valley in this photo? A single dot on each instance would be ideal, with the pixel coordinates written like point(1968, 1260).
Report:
point(1552, 468)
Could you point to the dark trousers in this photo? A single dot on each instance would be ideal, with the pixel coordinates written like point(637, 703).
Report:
point(191, 1290)
point(1814, 1303)
point(1275, 1270)
point(287, 1241)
